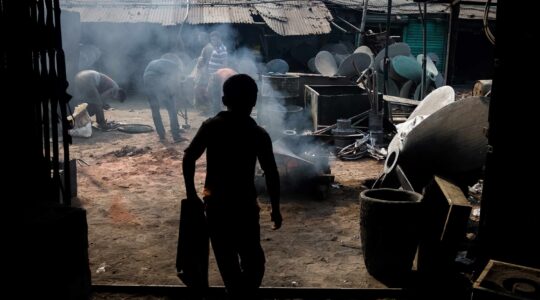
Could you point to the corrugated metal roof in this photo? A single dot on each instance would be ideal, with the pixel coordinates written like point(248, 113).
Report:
point(203, 14)
point(411, 7)
point(164, 12)
point(293, 17)
point(296, 17)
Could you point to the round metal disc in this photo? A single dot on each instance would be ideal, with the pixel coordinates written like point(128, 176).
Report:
point(325, 63)
point(404, 68)
point(393, 50)
point(434, 101)
point(364, 49)
point(431, 69)
point(277, 66)
point(362, 61)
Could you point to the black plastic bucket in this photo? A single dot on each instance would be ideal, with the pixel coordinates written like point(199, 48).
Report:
point(389, 232)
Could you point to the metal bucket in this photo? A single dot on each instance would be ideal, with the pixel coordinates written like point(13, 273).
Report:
point(342, 133)
point(278, 118)
point(389, 232)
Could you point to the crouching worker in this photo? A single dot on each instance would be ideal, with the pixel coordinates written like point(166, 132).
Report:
point(97, 89)
point(230, 198)
point(162, 79)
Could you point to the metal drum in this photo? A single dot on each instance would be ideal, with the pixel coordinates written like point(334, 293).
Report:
point(277, 118)
point(278, 91)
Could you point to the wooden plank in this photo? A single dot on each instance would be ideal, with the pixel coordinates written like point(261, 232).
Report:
point(400, 100)
point(445, 228)
point(403, 180)
point(458, 213)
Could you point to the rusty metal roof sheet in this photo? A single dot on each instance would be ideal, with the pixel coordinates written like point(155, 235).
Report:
point(296, 17)
point(410, 7)
point(164, 12)
point(285, 17)
point(204, 14)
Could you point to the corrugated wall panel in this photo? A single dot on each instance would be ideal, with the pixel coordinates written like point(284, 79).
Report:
point(436, 39)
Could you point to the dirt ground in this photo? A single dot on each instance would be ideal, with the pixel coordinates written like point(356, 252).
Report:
point(132, 197)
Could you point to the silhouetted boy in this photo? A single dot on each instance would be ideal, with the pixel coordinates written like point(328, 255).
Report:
point(234, 142)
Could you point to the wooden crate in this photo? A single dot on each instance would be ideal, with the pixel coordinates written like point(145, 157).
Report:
point(503, 281)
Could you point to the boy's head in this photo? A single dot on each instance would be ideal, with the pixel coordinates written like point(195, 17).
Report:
point(215, 38)
point(240, 93)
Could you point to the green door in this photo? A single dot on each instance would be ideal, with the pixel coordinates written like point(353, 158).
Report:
point(436, 39)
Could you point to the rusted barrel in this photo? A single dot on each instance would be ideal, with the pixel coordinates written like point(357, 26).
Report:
point(389, 232)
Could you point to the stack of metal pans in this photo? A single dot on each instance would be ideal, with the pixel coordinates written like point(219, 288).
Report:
point(393, 51)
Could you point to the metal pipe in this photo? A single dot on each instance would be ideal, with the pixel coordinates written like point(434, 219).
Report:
point(363, 25)
point(350, 24)
point(452, 44)
point(338, 27)
point(353, 118)
point(424, 49)
point(424, 58)
point(180, 40)
point(388, 15)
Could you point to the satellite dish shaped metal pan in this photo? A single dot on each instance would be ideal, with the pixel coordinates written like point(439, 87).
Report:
point(349, 66)
point(277, 66)
point(393, 50)
point(403, 68)
point(364, 49)
point(431, 69)
point(325, 63)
